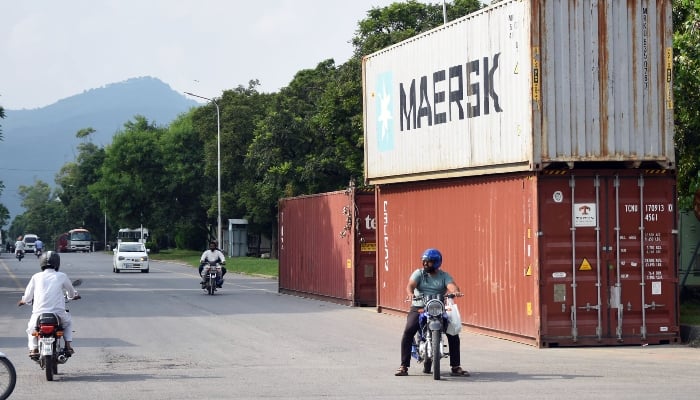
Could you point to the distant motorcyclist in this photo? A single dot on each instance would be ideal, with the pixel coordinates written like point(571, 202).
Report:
point(39, 246)
point(213, 255)
point(19, 246)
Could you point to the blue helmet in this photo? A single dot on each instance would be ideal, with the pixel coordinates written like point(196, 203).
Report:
point(433, 255)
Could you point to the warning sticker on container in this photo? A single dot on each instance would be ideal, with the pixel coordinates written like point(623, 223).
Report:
point(369, 246)
point(585, 215)
point(585, 265)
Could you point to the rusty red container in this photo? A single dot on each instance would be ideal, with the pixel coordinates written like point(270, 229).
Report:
point(551, 258)
point(327, 247)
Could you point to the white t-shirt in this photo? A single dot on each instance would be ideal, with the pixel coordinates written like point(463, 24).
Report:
point(45, 291)
point(212, 256)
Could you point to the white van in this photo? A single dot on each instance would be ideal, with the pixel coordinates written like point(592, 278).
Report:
point(30, 242)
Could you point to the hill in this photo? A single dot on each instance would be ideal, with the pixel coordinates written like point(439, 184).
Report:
point(38, 142)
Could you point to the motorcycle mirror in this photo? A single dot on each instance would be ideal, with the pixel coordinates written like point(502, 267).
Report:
point(77, 282)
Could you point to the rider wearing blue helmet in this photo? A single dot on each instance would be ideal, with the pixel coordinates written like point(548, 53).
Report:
point(428, 280)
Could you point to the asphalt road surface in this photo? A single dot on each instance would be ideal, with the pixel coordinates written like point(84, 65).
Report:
point(159, 336)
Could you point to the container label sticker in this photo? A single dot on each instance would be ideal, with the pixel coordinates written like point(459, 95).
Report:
point(585, 265)
point(585, 215)
point(385, 122)
point(656, 288)
point(558, 196)
point(368, 246)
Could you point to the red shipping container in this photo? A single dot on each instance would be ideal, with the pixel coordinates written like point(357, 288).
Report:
point(551, 258)
point(327, 247)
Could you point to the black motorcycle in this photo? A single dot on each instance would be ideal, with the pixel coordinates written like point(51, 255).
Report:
point(430, 343)
point(19, 254)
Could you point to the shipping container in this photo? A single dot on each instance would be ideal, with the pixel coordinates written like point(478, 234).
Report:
point(548, 258)
point(523, 85)
point(327, 247)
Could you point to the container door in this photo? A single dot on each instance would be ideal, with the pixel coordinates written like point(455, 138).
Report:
point(608, 264)
point(366, 251)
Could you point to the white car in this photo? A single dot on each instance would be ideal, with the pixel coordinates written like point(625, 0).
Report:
point(30, 242)
point(130, 256)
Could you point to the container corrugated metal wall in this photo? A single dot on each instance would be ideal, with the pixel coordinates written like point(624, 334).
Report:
point(554, 258)
point(323, 250)
point(520, 85)
point(484, 227)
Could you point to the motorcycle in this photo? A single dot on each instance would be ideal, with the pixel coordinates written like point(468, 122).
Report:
point(211, 277)
point(8, 377)
point(52, 349)
point(37, 253)
point(19, 254)
point(430, 342)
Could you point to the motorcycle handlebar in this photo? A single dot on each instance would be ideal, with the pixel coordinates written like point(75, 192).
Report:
point(422, 297)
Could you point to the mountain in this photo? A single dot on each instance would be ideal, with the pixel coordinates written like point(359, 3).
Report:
point(38, 142)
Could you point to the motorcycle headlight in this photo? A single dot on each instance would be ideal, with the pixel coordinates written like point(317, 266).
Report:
point(434, 308)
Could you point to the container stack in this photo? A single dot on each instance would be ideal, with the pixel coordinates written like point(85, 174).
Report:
point(532, 143)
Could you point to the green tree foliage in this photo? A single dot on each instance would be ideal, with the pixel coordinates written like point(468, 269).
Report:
point(44, 216)
point(686, 20)
point(400, 21)
point(241, 110)
point(180, 213)
point(82, 210)
point(131, 175)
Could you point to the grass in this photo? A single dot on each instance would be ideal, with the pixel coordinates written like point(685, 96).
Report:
point(245, 265)
point(690, 312)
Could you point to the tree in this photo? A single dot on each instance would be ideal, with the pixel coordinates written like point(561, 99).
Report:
point(130, 177)
point(241, 109)
point(400, 21)
point(180, 209)
point(686, 43)
point(82, 209)
point(44, 216)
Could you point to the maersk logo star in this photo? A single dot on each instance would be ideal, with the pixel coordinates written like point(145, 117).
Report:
point(385, 105)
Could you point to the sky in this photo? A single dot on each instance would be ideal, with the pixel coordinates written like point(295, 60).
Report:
point(51, 49)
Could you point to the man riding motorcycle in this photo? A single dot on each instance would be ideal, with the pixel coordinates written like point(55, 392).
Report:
point(46, 292)
point(213, 255)
point(19, 246)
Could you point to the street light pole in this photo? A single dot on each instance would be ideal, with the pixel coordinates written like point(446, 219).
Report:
point(218, 165)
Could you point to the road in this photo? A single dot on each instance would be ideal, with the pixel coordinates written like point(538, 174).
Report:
point(158, 336)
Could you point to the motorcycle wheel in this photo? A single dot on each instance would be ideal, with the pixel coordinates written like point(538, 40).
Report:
point(436, 337)
point(8, 378)
point(212, 286)
point(49, 365)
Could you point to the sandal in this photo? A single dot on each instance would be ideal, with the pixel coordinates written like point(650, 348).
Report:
point(458, 371)
point(401, 371)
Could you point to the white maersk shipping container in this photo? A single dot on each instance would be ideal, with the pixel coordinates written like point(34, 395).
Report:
point(521, 86)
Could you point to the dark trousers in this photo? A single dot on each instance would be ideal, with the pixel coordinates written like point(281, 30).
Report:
point(407, 339)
